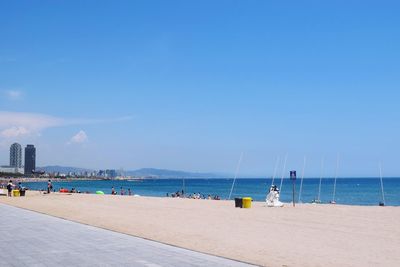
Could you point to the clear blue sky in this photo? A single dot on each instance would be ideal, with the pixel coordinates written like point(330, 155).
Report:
point(189, 85)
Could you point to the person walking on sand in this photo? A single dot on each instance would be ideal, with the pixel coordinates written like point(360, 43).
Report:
point(49, 187)
point(9, 188)
point(113, 191)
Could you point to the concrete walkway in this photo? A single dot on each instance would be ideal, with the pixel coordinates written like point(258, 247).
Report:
point(33, 239)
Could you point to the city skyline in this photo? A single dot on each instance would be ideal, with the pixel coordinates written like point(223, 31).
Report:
point(280, 168)
point(190, 86)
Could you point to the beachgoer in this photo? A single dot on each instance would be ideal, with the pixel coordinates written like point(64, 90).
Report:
point(9, 188)
point(21, 189)
point(113, 191)
point(129, 192)
point(122, 191)
point(49, 187)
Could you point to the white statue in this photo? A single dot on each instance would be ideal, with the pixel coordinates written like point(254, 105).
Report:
point(272, 198)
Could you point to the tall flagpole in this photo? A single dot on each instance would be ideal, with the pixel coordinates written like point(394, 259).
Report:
point(380, 175)
point(302, 177)
point(320, 180)
point(275, 170)
point(236, 174)
point(336, 175)
point(283, 172)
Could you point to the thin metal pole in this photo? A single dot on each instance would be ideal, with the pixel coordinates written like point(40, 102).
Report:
point(294, 190)
point(320, 180)
point(302, 177)
point(336, 175)
point(236, 174)
point(283, 172)
point(380, 175)
point(275, 170)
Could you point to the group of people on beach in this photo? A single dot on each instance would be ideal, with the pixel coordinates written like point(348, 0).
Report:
point(62, 189)
point(181, 194)
point(73, 190)
point(202, 196)
point(121, 192)
point(10, 187)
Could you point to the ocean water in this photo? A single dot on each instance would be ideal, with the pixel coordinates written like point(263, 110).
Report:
point(349, 191)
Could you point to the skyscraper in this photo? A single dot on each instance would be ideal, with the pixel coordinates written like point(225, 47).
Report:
point(30, 159)
point(16, 155)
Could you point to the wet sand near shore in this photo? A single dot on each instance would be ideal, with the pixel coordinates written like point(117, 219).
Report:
point(307, 235)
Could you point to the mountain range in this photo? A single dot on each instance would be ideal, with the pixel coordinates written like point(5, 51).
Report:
point(143, 172)
point(162, 173)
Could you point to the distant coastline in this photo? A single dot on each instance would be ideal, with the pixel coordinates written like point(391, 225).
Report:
point(68, 173)
point(32, 179)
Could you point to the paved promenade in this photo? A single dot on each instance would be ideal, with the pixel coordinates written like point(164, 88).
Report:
point(32, 239)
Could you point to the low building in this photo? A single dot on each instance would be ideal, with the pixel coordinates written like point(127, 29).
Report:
point(10, 169)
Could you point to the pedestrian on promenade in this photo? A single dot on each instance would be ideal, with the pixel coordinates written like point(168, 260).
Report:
point(9, 188)
point(49, 187)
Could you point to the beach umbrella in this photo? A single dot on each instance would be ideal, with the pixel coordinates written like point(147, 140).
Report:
point(99, 192)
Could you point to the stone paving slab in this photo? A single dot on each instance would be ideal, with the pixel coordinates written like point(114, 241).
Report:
point(33, 239)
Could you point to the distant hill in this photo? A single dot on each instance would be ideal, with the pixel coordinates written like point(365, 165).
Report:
point(144, 172)
point(162, 173)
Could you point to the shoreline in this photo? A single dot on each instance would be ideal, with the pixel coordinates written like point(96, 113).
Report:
point(32, 180)
point(307, 235)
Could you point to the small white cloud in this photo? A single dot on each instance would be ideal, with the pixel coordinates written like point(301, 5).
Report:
point(14, 94)
point(14, 132)
point(26, 123)
point(80, 137)
point(19, 124)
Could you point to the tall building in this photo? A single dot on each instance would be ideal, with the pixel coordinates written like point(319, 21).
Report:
point(111, 173)
point(16, 155)
point(30, 159)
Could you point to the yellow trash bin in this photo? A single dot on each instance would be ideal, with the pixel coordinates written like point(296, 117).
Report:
point(247, 202)
point(15, 193)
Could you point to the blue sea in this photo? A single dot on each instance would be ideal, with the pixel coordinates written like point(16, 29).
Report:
point(349, 191)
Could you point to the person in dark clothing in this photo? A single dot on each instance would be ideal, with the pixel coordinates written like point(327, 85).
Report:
point(49, 187)
point(9, 188)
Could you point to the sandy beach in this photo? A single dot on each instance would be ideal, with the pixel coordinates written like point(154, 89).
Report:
point(307, 235)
